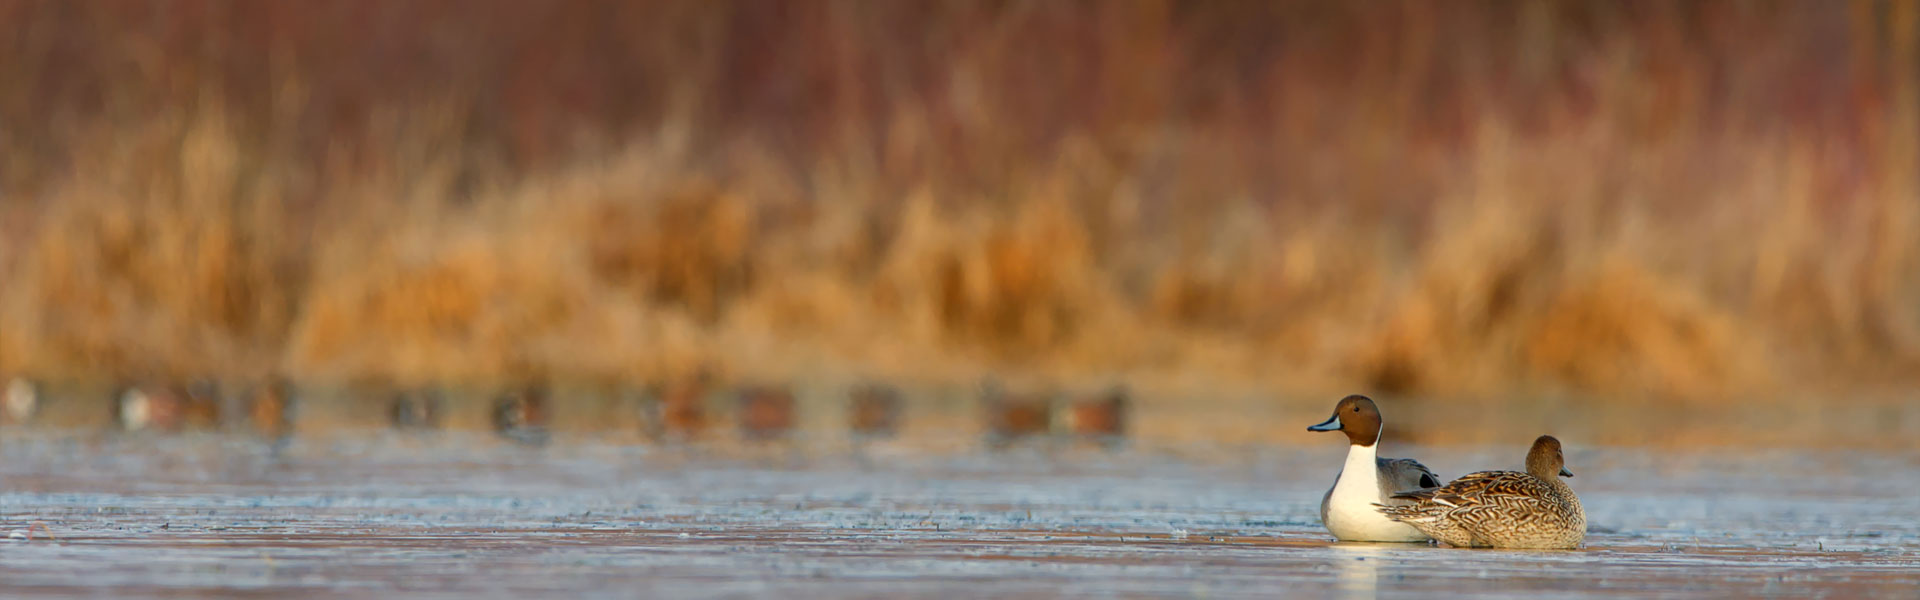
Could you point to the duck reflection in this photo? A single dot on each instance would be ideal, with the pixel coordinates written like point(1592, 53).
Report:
point(1356, 567)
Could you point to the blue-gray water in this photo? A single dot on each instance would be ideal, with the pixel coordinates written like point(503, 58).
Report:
point(459, 516)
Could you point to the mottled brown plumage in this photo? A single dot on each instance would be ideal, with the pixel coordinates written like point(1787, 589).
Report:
point(1501, 509)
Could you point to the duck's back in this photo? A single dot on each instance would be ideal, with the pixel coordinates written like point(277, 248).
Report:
point(1506, 509)
point(1404, 474)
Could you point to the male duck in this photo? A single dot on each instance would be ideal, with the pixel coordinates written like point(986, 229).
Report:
point(1367, 481)
point(1501, 509)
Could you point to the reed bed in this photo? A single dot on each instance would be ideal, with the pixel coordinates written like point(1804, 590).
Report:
point(1702, 200)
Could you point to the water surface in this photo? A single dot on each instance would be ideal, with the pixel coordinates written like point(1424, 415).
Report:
point(455, 516)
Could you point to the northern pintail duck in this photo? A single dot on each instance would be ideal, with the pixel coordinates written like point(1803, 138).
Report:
point(1501, 509)
point(1367, 480)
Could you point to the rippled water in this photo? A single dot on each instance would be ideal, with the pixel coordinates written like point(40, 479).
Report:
point(461, 517)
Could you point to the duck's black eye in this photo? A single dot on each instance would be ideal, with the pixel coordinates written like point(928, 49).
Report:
point(1356, 409)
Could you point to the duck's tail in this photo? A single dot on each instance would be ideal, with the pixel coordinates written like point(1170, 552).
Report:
point(1397, 513)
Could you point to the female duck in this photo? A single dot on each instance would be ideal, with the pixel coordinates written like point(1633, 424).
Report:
point(1501, 509)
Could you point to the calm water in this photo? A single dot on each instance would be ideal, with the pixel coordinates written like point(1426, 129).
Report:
point(469, 516)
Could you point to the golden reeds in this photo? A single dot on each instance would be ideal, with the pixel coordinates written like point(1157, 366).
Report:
point(1671, 200)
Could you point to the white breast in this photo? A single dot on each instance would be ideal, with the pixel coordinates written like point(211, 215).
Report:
point(1351, 515)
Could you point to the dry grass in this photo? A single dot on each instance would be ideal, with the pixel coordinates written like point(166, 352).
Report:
point(1678, 200)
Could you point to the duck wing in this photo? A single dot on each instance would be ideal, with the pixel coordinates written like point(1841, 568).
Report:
point(1464, 491)
point(1477, 488)
point(1397, 474)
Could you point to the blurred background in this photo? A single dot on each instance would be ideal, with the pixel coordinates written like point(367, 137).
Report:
point(1549, 209)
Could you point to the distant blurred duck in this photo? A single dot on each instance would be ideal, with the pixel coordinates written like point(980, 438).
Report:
point(1101, 417)
point(415, 409)
point(23, 399)
point(1012, 415)
point(165, 407)
point(766, 412)
point(1501, 509)
point(876, 411)
point(1367, 480)
point(520, 415)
